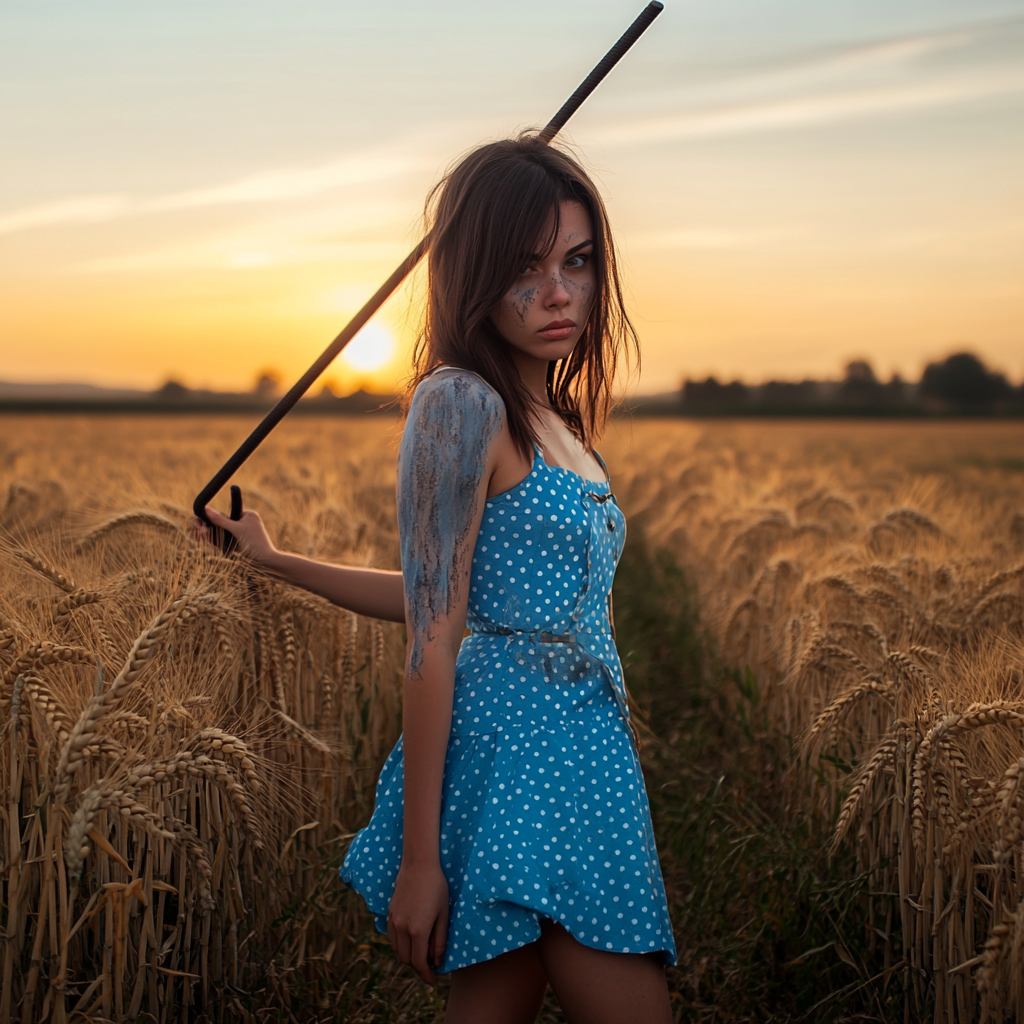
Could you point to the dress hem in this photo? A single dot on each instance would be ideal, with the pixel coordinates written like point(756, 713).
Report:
point(380, 923)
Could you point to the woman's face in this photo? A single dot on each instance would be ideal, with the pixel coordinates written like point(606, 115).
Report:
point(544, 312)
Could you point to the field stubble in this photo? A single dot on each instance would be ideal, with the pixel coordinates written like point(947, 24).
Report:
point(188, 744)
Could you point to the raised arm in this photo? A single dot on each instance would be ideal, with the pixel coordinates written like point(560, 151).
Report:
point(374, 592)
point(444, 467)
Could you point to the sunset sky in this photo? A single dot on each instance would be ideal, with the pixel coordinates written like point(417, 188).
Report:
point(207, 188)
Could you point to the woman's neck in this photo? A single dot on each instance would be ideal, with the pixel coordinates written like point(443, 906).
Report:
point(533, 373)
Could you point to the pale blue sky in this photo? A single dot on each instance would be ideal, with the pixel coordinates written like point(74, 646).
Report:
point(793, 183)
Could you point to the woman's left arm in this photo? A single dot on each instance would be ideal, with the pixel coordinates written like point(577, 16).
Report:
point(377, 593)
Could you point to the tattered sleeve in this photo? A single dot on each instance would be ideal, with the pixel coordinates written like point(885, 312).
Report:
point(453, 419)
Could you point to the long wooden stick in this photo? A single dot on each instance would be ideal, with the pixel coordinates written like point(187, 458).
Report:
point(380, 296)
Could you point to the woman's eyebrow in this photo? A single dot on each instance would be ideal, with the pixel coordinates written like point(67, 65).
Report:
point(536, 257)
point(582, 245)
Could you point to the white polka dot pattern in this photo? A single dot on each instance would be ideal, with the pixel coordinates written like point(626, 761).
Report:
point(544, 812)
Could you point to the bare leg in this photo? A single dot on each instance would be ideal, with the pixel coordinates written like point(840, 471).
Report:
point(506, 990)
point(597, 987)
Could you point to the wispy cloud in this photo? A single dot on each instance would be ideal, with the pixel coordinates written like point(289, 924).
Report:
point(814, 110)
point(881, 56)
point(338, 232)
point(266, 187)
point(704, 238)
point(212, 256)
point(82, 210)
point(277, 186)
point(880, 79)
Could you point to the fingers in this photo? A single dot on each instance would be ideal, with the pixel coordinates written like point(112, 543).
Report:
point(400, 942)
point(412, 949)
point(201, 531)
point(438, 939)
point(218, 519)
point(419, 957)
point(198, 529)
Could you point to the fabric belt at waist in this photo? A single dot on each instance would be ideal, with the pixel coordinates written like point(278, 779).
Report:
point(544, 636)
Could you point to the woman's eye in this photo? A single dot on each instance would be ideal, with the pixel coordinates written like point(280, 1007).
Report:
point(577, 261)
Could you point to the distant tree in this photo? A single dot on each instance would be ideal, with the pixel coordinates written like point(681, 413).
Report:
point(268, 384)
point(782, 394)
point(860, 370)
point(895, 390)
point(964, 382)
point(171, 390)
point(860, 385)
point(711, 396)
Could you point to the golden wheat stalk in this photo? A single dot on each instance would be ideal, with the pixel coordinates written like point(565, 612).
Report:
point(48, 705)
point(138, 517)
point(106, 795)
point(852, 806)
point(196, 764)
point(1009, 822)
point(75, 600)
point(977, 716)
point(146, 645)
point(41, 566)
point(41, 655)
point(832, 715)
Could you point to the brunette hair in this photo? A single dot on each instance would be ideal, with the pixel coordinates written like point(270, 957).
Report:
point(485, 217)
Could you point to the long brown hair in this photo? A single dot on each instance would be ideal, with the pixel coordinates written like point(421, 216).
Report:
point(484, 218)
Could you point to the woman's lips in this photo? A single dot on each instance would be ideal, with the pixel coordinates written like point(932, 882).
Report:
point(558, 330)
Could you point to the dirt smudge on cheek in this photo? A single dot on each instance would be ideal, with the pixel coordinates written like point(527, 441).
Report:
point(522, 300)
point(453, 418)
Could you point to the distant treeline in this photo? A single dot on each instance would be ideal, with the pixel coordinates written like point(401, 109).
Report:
point(175, 398)
point(960, 385)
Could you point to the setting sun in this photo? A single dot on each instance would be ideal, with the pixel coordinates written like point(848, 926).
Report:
point(371, 349)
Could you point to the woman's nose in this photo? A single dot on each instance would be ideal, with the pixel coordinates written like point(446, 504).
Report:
point(557, 294)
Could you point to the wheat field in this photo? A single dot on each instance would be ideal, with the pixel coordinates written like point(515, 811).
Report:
point(189, 744)
point(871, 578)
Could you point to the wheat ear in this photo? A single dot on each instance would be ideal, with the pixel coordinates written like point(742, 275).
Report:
point(852, 804)
point(977, 716)
point(48, 705)
point(43, 654)
point(41, 566)
point(146, 645)
point(140, 517)
point(76, 599)
point(100, 797)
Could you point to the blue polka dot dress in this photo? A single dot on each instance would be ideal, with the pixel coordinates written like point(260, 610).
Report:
point(544, 812)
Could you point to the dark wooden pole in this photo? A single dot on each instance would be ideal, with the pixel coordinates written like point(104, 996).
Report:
point(380, 296)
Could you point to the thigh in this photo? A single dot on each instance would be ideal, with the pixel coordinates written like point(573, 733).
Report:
point(506, 990)
point(594, 986)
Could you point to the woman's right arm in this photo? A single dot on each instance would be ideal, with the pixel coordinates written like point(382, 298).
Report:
point(377, 593)
point(444, 468)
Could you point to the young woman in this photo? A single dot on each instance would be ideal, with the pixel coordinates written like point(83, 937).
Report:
point(511, 841)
